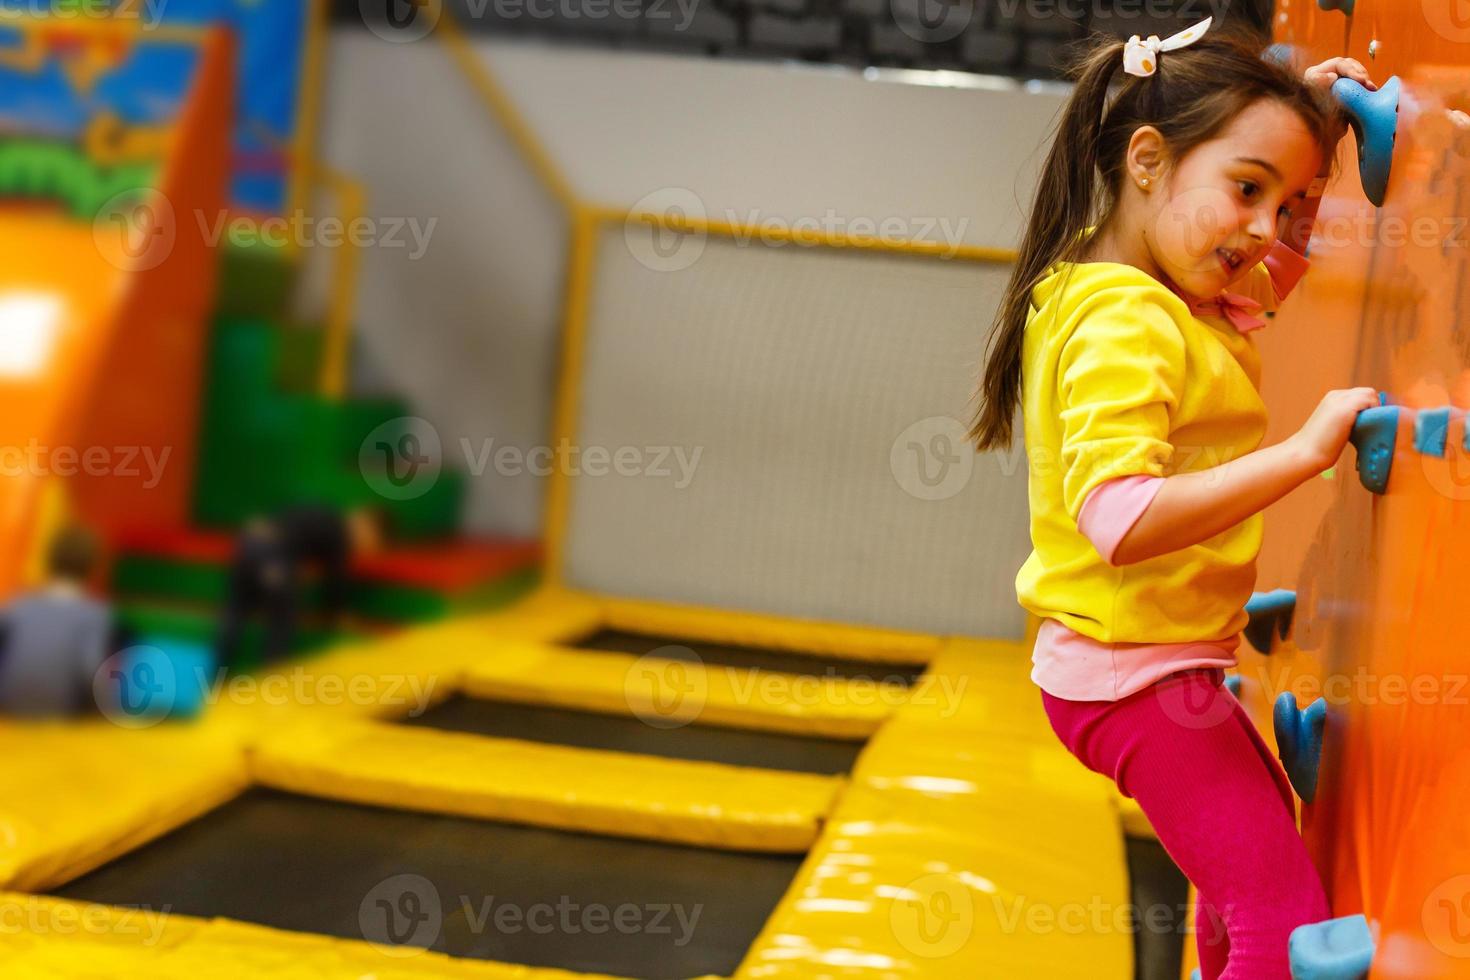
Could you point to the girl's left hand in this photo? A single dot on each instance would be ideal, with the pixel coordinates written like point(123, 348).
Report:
point(1332, 69)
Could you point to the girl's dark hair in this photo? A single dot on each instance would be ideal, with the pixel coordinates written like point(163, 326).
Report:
point(1191, 98)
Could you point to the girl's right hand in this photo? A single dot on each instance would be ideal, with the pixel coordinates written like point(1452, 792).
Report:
point(1324, 435)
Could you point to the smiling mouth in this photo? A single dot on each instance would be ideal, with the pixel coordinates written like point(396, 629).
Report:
point(1230, 258)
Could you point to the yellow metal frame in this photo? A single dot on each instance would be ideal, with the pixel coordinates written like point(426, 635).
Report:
point(585, 221)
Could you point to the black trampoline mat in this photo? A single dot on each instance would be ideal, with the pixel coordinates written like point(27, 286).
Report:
point(588, 730)
point(1161, 893)
point(786, 662)
point(504, 892)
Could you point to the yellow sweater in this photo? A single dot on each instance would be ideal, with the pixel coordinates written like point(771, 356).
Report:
point(1120, 378)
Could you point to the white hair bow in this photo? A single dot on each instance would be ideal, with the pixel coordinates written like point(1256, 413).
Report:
point(1141, 57)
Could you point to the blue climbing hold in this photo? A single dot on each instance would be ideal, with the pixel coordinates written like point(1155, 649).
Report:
point(1374, 434)
point(1338, 949)
point(1374, 117)
point(1270, 617)
point(1282, 54)
point(1299, 742)
point(1432, 430)
point(1346, 6)
point(1232, 684)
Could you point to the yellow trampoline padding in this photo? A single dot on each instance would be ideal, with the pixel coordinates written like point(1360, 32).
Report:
point(699, 803)
point(679, 692)
point(54, 939)
point(969, 843)
point(861, 643)
point(79, 794)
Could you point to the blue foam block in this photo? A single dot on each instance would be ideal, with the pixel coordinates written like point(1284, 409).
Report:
point(1374, 117)
point(1374, 435)
point(160, 677)
point(1270, 617)
point(1432, 430)
point(1338, 949)
point(1299, 742)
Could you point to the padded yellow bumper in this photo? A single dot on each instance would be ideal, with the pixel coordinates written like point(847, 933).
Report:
point(707, 694)
point(700, 803)
point(966, 846)
point(45, 938)
point(78, 795)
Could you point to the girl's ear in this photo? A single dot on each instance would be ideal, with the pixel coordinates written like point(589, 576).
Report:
point(1147, 155)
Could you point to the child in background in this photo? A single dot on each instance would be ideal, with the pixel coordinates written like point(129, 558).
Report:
point(55, 639)
point(1138, 381)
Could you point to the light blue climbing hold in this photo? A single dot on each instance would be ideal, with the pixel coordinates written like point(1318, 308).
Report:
point(1282, 54)
point(1299, 742)
point(1270, 617)
point(1194, 975)
point(1432, 430)
point(1374, 117)
point(1346, 6)
point(1374, 434)
point(1232, 684)
point(1338, 949)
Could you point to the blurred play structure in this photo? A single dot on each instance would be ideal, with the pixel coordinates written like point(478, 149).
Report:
point(788, 697)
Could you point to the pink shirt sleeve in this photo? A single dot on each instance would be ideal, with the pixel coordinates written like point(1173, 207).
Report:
point(1113, 507)
point(1287, 266)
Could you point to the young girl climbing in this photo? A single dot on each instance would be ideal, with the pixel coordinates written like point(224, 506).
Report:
point(1171, 218)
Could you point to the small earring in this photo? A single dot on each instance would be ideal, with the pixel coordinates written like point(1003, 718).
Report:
point(1143, 182)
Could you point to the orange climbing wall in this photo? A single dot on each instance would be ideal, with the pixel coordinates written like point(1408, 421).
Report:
point(1381, 580)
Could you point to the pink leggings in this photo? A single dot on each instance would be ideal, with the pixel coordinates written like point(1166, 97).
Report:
point(1223, 809)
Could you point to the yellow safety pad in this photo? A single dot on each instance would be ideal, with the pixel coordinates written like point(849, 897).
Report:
point(679, 692)
point(80, 794)
point(862, 643)
point(699, 803)
point(46, 938)
point(967, 845)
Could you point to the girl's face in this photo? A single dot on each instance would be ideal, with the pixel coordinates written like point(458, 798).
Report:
point(1221, 208)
